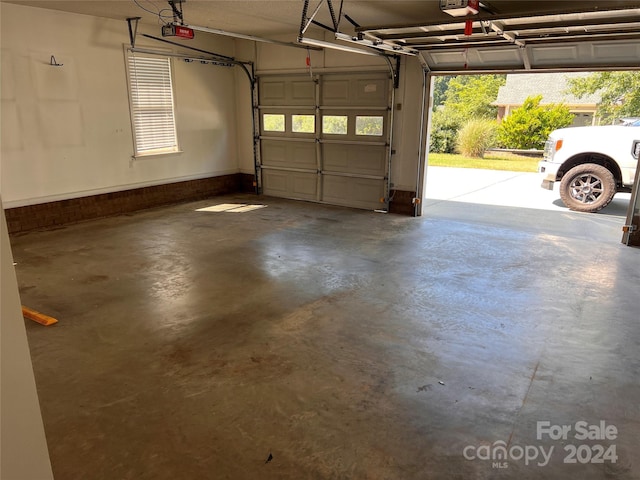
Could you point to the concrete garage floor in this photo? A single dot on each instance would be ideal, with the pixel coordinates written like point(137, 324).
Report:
point(345, 344)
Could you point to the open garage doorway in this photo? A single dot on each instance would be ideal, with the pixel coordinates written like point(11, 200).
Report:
point(488, 135)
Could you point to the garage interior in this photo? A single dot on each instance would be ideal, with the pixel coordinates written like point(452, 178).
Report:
point(337, 324)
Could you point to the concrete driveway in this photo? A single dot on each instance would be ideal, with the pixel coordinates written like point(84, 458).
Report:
point(515, 198)
point(510, 189)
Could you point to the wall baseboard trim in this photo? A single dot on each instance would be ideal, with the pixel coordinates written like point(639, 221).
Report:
point(63, 212)
point(88, 193)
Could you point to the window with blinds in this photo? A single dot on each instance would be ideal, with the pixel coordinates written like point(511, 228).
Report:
point(152, 114)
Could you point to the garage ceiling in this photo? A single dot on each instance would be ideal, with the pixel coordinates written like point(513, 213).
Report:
point(507, 35)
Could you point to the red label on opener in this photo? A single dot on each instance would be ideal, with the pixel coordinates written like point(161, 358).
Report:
point(184, 32)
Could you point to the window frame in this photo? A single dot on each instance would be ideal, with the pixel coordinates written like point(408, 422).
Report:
point(336, 115)
point(300, 132)
point(273, 114)
point(372, 135)
point(137, 135)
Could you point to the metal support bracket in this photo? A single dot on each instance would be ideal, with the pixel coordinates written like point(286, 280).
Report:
point(177, 13)
point(133, 29)
point(396, 73)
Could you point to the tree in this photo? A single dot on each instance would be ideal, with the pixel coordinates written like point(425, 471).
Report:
point(303, 123)
point(440, 87)
point(334, 124)
point(467, 97)
point(272, 122)
point(529, 126)
point(370, 125)
point(471, 96)
point(620, 93)
point(444, 132)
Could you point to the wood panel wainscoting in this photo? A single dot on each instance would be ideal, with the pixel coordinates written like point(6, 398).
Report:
point(62, 212)
point(402, 202)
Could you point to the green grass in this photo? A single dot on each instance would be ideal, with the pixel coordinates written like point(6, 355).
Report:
point(491, 161)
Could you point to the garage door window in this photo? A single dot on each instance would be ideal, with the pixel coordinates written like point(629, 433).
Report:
point(303, 123)
point(151, 101)
point(273, 122)
point(334, 124)
point(369, 125)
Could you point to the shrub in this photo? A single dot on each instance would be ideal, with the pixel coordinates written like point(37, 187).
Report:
point(529, 126)
point(476, 136)
point(444, 131)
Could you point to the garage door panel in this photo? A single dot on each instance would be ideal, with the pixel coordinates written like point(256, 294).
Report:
point(289, 154)
point(555, 55)
point(274, 182)
point(371, 91)
point(595, 54)
point(496, 57)
point(362, 159)
point(344, 162)
point(287, 91)
point(353, 192)
point(335, 92)
point(627, 52)
point(296, 185)
point(304, 185)
point(272, 92)
point(303, 92)
point(360, 90)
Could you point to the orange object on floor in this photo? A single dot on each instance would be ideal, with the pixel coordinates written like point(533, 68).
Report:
point(37, 316)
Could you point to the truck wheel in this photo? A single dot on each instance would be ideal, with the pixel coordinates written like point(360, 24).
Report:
point(587, 188)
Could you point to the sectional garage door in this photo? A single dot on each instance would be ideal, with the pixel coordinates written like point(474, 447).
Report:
point(325, 138)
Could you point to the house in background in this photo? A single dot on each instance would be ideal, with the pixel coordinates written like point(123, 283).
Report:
point(554, 88)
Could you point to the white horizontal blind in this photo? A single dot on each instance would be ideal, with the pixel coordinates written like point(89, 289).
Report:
point(152, 105)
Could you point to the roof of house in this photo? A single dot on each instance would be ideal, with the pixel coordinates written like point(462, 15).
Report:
point(552, 86)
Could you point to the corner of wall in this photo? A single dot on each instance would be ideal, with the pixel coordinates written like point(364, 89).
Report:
point(23, 446)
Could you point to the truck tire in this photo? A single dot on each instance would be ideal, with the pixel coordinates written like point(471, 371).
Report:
point(587, 188)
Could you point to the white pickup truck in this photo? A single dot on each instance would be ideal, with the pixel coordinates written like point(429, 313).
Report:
point(591, 164)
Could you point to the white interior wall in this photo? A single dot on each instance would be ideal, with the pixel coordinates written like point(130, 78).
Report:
point(66, 131)
point(23, 446)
